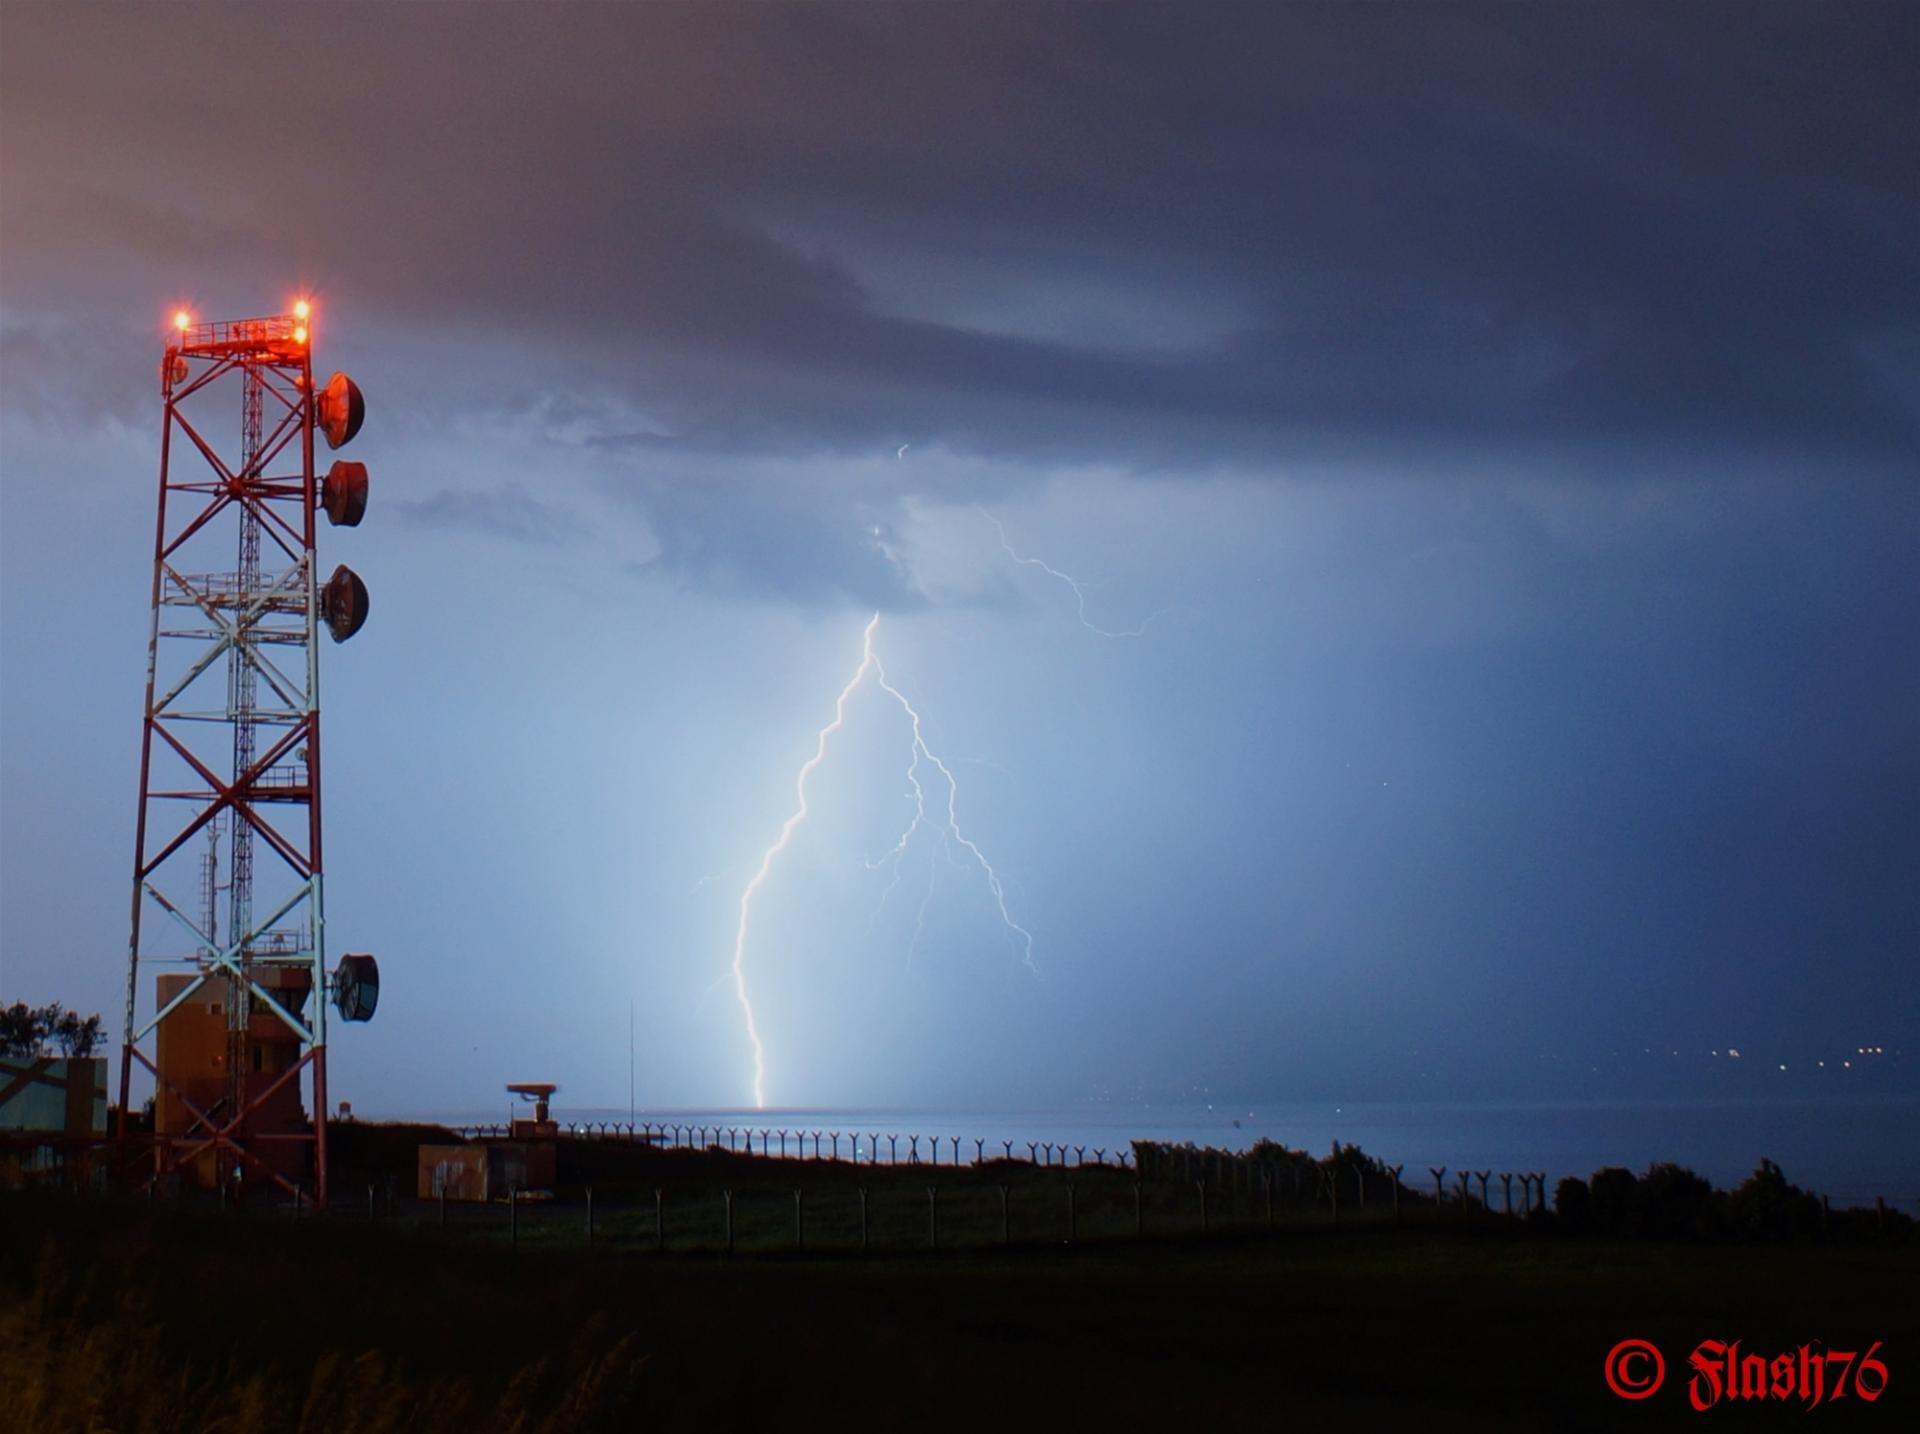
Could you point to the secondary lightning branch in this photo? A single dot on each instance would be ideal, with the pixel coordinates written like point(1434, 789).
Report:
point(1078, 588)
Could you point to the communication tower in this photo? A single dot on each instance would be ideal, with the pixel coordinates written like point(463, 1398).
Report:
point(230, 754)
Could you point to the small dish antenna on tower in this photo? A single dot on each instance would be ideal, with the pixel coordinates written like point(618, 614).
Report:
point(340, 410)
point(356, 986)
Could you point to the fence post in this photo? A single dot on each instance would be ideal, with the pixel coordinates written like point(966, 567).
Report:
point(1139, 1223)
point(1506, 1188)
point(726, 1200)
point(1333, 1193)
point(863, 1217)
point(1201, 1185)
point(1003, 1216)
point(1360, 1184)
point(1439, 1173)
point(589, 1217)
point(799, 1219)
point(1072, 1225)
point(1481, 1176)
point(1394, 1171)
point(933, 1217)
point(659, 1222)
point(513, 1216)
point(1266, 1186)
point(371, 1211)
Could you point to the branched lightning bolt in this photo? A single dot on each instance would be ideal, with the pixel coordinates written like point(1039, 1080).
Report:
point(1079, 588)
point(869, 663)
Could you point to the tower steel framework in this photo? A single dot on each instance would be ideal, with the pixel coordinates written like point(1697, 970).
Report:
point(230, 749)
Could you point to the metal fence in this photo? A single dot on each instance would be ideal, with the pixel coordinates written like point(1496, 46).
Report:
point(858, 1147)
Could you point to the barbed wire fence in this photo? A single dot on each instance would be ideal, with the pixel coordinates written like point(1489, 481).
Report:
point(1145, 1188)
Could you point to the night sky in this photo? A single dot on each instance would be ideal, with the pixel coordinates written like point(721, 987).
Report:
point(1499, 426)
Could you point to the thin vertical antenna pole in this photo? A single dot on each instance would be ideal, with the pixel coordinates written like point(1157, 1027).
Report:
point(242, 699)
point(317, 906)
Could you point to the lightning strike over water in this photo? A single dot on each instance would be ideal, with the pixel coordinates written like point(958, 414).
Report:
point(1078, 587)
point(951, 834)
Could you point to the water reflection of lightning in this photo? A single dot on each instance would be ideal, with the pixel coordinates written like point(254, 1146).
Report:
point(951, 833)
point(1078, 587)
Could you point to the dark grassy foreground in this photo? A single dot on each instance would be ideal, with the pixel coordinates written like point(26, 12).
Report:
point(133, 1317)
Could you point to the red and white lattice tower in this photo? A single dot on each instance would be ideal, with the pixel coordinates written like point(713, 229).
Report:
point(230, 750)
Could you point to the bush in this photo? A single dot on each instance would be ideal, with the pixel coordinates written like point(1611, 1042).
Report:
point(1673, 1203)
point(1766, 1207)
point(1612, 1208)
point(1573, 1203)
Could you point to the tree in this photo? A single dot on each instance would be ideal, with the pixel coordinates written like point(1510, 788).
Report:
point(26, 1030)
point(75, 1036)
point(20, 1030)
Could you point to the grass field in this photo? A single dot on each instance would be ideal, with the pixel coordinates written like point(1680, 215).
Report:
point(136, 1317)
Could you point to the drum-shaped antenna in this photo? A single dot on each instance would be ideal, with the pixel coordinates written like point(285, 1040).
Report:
point(339, 410)
point(356, 987)
point(344, 602)
point(343, 493)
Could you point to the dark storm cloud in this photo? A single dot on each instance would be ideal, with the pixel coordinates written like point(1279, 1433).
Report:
point(497, 513)
point(755, 538)
point(781, 227)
